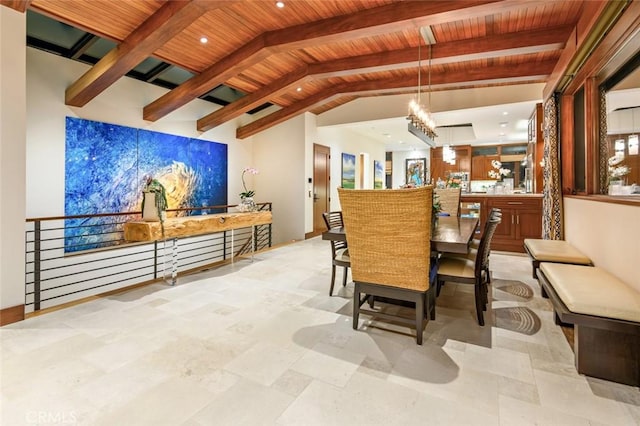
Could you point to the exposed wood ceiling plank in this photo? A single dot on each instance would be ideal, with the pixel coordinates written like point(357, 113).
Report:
point(367, 23)
point(519, 43)
point(169, 20)
point(492, 74)
point(19, 5)
point(584, 29)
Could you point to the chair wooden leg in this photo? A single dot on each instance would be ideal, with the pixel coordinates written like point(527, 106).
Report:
point(356, 305)
point(420, 318)
point(432, 303)
point(479, 304)
point(344, 276)
point(333, 279)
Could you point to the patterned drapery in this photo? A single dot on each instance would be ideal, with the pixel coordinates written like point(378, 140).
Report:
point(604, 149)
point(552, 226)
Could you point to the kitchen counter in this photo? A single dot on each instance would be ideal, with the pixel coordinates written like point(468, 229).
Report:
point(483, 194)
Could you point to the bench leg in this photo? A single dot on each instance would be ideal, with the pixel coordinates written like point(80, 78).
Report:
point(607, 354)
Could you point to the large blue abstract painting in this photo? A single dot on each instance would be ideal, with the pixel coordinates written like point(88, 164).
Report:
point(107, 165)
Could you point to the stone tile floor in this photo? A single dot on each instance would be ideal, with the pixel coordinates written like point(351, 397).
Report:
point(263, 343)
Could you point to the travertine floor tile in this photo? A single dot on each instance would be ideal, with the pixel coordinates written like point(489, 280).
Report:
point(262, 342)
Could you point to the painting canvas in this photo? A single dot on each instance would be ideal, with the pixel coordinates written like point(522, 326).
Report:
point(106, 167)
point(378, 175)
point(416, 171)
point(348, 171)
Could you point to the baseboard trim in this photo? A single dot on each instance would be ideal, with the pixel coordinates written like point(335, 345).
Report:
point(312, 234)
point(11, 315)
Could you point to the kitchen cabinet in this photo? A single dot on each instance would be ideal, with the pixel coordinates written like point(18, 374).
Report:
point(480, 166)
point(440, 169)
point(521, 218)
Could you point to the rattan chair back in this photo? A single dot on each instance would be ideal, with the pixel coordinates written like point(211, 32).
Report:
point(389, 233)
point(449, 200)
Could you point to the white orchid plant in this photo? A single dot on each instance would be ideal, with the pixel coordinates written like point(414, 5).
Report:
point(498, 171)
point(616, 171)
point(248, 193)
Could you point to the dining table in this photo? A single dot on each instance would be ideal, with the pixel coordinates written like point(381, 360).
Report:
point(451, 234)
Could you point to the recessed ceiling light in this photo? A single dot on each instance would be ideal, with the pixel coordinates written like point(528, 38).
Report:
point(203, 40)
point(299, 89)
point(501, 133)
point(280, 4)
point(503, 124)
point(505, 113)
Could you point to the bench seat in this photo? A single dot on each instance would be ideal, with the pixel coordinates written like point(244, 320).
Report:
point(605, 312)
point(556, 251)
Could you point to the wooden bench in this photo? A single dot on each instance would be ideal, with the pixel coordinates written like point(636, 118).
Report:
point(555, 251)
point(605, 313)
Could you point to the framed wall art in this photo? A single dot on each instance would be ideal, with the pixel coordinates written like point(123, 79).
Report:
point(348, 171)
point(378, 175)
point(416, 169)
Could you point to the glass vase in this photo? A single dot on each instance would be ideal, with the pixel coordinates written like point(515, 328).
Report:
point(247, 205)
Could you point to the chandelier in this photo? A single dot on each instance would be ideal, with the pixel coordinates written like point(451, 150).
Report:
point(448, 153)
point(421, 123)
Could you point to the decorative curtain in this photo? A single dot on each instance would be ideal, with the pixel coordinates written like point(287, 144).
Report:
point(552, 226)
point(604, 149)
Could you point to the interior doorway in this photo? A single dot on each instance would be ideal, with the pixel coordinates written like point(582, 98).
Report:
point(321, 186)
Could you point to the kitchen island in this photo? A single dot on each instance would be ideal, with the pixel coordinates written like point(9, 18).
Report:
point(521, 217)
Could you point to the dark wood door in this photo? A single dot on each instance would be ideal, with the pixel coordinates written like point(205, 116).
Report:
point(321, 185)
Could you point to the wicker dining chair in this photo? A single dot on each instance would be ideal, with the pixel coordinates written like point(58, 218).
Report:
point(339, 250)
point(389, 237)
point(472, 269)
point(449, 200)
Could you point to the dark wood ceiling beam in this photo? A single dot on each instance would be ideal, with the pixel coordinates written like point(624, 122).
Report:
point(249, 54)
point(255, 99)
point(477, 76)
point(367, 23)
point(458, 51)
point(18, 5)
point(162, 26)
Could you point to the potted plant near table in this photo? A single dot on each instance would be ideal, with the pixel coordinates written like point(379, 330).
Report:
point(154, 202)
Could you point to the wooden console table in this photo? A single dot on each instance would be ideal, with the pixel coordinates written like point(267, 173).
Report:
point(190, 226)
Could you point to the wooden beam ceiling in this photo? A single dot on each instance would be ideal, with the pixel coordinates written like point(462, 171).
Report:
point(170, 20)
point(512, 44)
point(336, 51)
point(367, 23)
point(493, 74)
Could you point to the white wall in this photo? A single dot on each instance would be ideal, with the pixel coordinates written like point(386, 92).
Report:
point(608, 233)
point(279, 154)
point(343, 140)
point(12, 156)
point(398, 165)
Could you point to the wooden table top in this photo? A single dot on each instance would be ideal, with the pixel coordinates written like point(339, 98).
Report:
point(452, 234)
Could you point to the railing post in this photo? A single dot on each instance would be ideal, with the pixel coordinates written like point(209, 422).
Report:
point(155, 260)
point(224, 245)
point(36, 265)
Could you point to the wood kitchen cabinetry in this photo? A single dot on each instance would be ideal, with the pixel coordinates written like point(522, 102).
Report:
point(480, 166)
point(521, 218)
point(440, 169)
